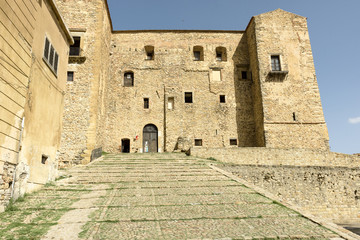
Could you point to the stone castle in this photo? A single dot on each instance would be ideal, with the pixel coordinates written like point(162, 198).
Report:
point(168, 90)
point(72, 87)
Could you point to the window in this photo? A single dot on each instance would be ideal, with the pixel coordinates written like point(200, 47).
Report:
point(233, 142)
point(244, 75)
point(70, 76)
point(294, 116)
point(44, 158)
point(146, 103)
point(198, 53)
point(75, 48)
point(51, 57)
point(128, 79)
point(222, 98)
point(221, 54)
point(188, 97)
point(171, 103)
point(198, 142)
point(275, 63)
point(149, 52)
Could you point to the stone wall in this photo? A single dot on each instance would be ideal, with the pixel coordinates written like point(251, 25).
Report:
point(321, 182)
point(171, 73)
point(259, 107)
point(290, 100)
point(6, 181)
point(327, 192)
point(276, 156)
point(84, 99)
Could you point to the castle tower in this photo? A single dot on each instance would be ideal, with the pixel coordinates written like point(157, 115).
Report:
point(90, 25)
point(287, 105)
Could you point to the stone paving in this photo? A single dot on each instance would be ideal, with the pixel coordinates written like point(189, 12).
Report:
point(153, 196)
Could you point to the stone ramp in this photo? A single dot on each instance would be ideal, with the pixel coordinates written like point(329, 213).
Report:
point(154, 196)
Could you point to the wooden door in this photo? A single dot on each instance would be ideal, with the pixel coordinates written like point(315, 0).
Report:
point(150, 138)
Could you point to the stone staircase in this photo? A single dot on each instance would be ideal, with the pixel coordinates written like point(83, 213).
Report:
point(154, 196)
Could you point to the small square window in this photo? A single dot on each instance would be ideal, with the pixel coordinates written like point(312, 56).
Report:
point(198, 52)
point(188, 97)
point(146, 103)
point(150, 52)
point(44, 159)
point(275, 63)
point(129, 79)
point(244, 75)
point(198, 142)
point(197, 55)
point(222, 98)
point(150, 56)
point(70, 76)
point(233, 142)
point(75, 48)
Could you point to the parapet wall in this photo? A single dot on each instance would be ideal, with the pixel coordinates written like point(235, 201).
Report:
point(323, 183)
point(327, 192)
point(276, 156)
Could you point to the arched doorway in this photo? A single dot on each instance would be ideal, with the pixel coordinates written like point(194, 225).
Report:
point(125, 145)
point(150, 138)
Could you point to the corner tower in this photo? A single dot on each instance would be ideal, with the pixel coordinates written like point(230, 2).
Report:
point(90, 25)
point(287, 105)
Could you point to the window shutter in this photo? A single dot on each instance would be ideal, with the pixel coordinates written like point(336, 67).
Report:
point(56, 62)
point(46, 49)
point(51, 57)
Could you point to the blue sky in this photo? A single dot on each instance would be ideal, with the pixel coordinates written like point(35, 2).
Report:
point(334, 28)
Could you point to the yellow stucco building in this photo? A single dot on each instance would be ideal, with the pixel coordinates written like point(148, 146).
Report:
point(34, 55)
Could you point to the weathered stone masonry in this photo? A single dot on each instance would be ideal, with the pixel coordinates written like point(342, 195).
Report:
point(130, 81)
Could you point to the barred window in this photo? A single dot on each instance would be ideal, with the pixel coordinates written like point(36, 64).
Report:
point(275, 63)
point(128, 79)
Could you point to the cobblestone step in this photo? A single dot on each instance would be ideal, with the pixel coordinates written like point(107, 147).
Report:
point(157, 196)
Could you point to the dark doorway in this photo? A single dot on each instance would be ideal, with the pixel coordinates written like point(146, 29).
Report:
point(150, 138)
point(125, 145)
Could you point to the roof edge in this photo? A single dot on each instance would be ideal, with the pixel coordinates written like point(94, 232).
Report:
point(61, 21)
point(109, 16)
point(177, 31)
